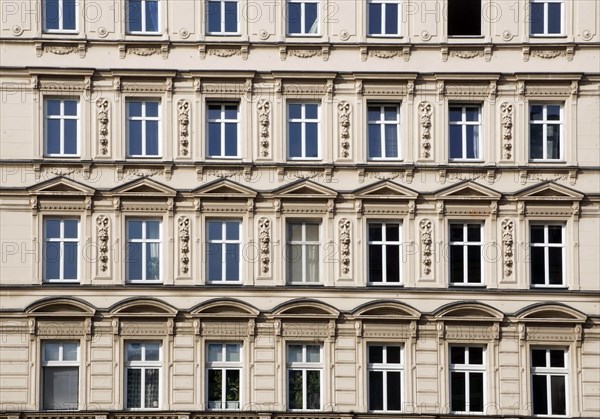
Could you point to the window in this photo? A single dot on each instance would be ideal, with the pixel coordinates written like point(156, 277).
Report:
point(223, 122)
point(143, 127)
point(545, 132)
point(223, 374)
point(384, 131)
point(465, 136)
point(466, 266)
point(302, 17)
point(143, 250)
point(302, 252)
point(62, 127)
point(60, 375)
point(384, 17)
point(547, 248)
point(305, 370)
point(60, 15)
point(549, 381)
point(61, 250)
point(467, 379)
point(464, 17)
point(223, 251)
point(385, 250)
point(222, 17)
point(385, 370)
point(546, 17)
point(303, 131)
point(142, 16)
point(142, 375)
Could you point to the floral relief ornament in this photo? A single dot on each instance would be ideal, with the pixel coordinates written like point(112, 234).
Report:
point(264, 237)
point(507, 245)
point(425, 111)
point(507, 124)
point(264, 110)
point(344, 110)
point(184, 244)
point(426, 242)
point(102, 106)
point(102, 224)
point(344, 225)
point(183, 116)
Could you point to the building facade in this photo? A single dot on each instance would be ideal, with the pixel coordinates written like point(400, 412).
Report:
point(301, 208)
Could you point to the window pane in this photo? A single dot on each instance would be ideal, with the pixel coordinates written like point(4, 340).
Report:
point(51, 14)
point(134, 388)
point(152, 351)
point(476, 392)
point(537, 18)
point(134, 13)
point(456, 264)
point(295, 389)
point(464, 17)
point(294, 258)
point(375, 19)
point(391, 141)
point(71, 251)
point(52, 229)
point(152, 261)
point(557, 358)
point(214, 230)
point(537, 265)
point(70, 106)
point(231, 16)
point(232, 386)
point(557, 394)
point(134, 261)
point(540, 396)
point(472, 141)
point(61, 388)
point(135, 138)
point(51, 351)
point(393, 355)
point(374, 112)
point(474, 261)
point(375, 232)
point(457, 355)
point(231, 140)
point(312, 140)
point(71, 229)
point(53, 136)
point(537, 234)
point(215, 262)
point(312, 110)
point(457, 383)
point(152, 18)
point(312, 232)
point(375, 390)
point(294, 17)
point(555, 265)
point(215, 388)
point(295, 231)
point(232, 353)
point(232, 230)
point(538, 358)
point(391, 19)
point(374, 141)
point(473, 232)
point(52, 260)
point(312, 263)
point(295, 139)
point(553, 141)
point(393, 390)
point(310, 18)
point(294, 109)
point(313, 353)
point(215, 353)
point(476, 356)
point(70, 351)
point(151, 387)
point(213, 14)
point(375, 354)
point(392, 232)
point(313, 389)
point(295, 353)
point(133, 107)
point(456, 141)
point(375, 263)
point(554, 20)
point(472, 114)
point(134, 352)
point(214, 112)
point(393, 263)
point(152, 138)
point(455, 114)
point(232, 262)
point(554, 234)
point(553, 112)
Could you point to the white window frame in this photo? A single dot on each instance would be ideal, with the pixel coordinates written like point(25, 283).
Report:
point(545, 122)
point(222, 121)
point(463, 123)
point(61, 363)
point(382, 122)
point(143, 365)
point(143, 18)
point(549, 371)
point(546, 245)
point(224, 242)
point(303, 121)
point(386, 367)
point(304, 243)
point(303, 18)
point(384, 242)
point(465, 243)
point(144, 240)
point(467, 368)
point(224, 366)
point(545, 17)
point(222, 9)
point(144, 119)
point(61, 241)
point(60, 20)
point(384, 4)
point(62, 117)
point(304, 366)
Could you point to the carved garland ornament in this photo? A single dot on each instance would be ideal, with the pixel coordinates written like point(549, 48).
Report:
point(344, 109)
point(425, 111)
point(507, 245)
point(264, 236)
point(183, 116)
point(102, 225)
point(184, 244)
point(426, 227)
point(103, 109)
point(344, 225)
point(507, 124)
point(264, 111)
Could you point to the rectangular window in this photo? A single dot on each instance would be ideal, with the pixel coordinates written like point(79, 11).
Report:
point(466, 267)
point(223, 123)
point(465, 132)
point(385, 253)
point(303, 131)
point(385, 370)
point(60, 15)
point(546, 17)
point(305, 376)
point(302, 252)
point(60, 375)
point(143, 128)
point(142, 375)
point(223, 375)
point(545, 132)
point(549, 381)
point(464, 17)
point(302, 17)
point(143, 250)
point(61, 127)
point(223, 251)
point(547, 247)
point(222, 17)
point(384, 132)
point(467, 379)
point(143, 16)
point(384, 17)
point(61, 250)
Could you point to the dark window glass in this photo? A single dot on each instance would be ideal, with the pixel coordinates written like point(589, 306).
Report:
point(375, 390)
point(457, 384)
point(464, 17)
point(540, 395)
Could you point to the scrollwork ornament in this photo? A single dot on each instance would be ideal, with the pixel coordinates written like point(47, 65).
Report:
point(264, 120)
point(344, 110)
point(264, 237)
point(425, 114)
point(184, 244)
point(507, 125)
point(345, 240)
point(508, 227)
point(426, 227)
point(102, 228)
point(183, 117)
point(103, 109)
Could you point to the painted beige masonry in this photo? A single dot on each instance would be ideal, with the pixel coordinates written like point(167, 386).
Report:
point(423, 73)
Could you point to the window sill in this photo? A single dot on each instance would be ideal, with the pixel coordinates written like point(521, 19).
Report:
point(385, 36)
point(303, 35)
point(223, 34)
point(459, 285)
point(144, 33)
point(60, 282)
point(549, 287)
point(384, 284)
point(450, 37)
point(548, 161)
point(60, 32)
point(143, 282)
point(550, 36)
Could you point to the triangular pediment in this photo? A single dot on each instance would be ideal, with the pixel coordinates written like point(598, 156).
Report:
point(305, 189)
point(385, 189)
point(144, 187)
point(468, 190)
point(224, 188)
point(61, 186)
point(548, 190)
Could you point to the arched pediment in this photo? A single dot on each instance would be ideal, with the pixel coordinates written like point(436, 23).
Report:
point(144, 187)
point(61, 307)
point(468, 311)
point(61, 186)
point(142, 307)
point(224, 188)
point(305, 309)
point(386, 310)
point(224, 308)
point(385, 189)
point(304, 189)
point(550, 313)
point(548, 191)
point(468, 191)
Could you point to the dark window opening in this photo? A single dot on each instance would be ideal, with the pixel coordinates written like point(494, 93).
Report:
point(464, 17)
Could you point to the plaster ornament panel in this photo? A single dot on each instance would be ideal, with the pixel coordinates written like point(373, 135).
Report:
point(345, 242)
point(184, 244)
point(385, 54)
point(303, 53)
point(426, 227)
point(60, 171)
point(264, 120)
point(103, 109)
point(264, 237)
point(508, 240)
point(425, 114)
point(466, 53)
point(61, 86)
point(462, 90)
point(183, 118)
point(102, 233)
point(507, 125)
point(344, 110)
point(224, 52)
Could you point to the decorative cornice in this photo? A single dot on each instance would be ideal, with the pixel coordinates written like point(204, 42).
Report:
point(344, 110)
